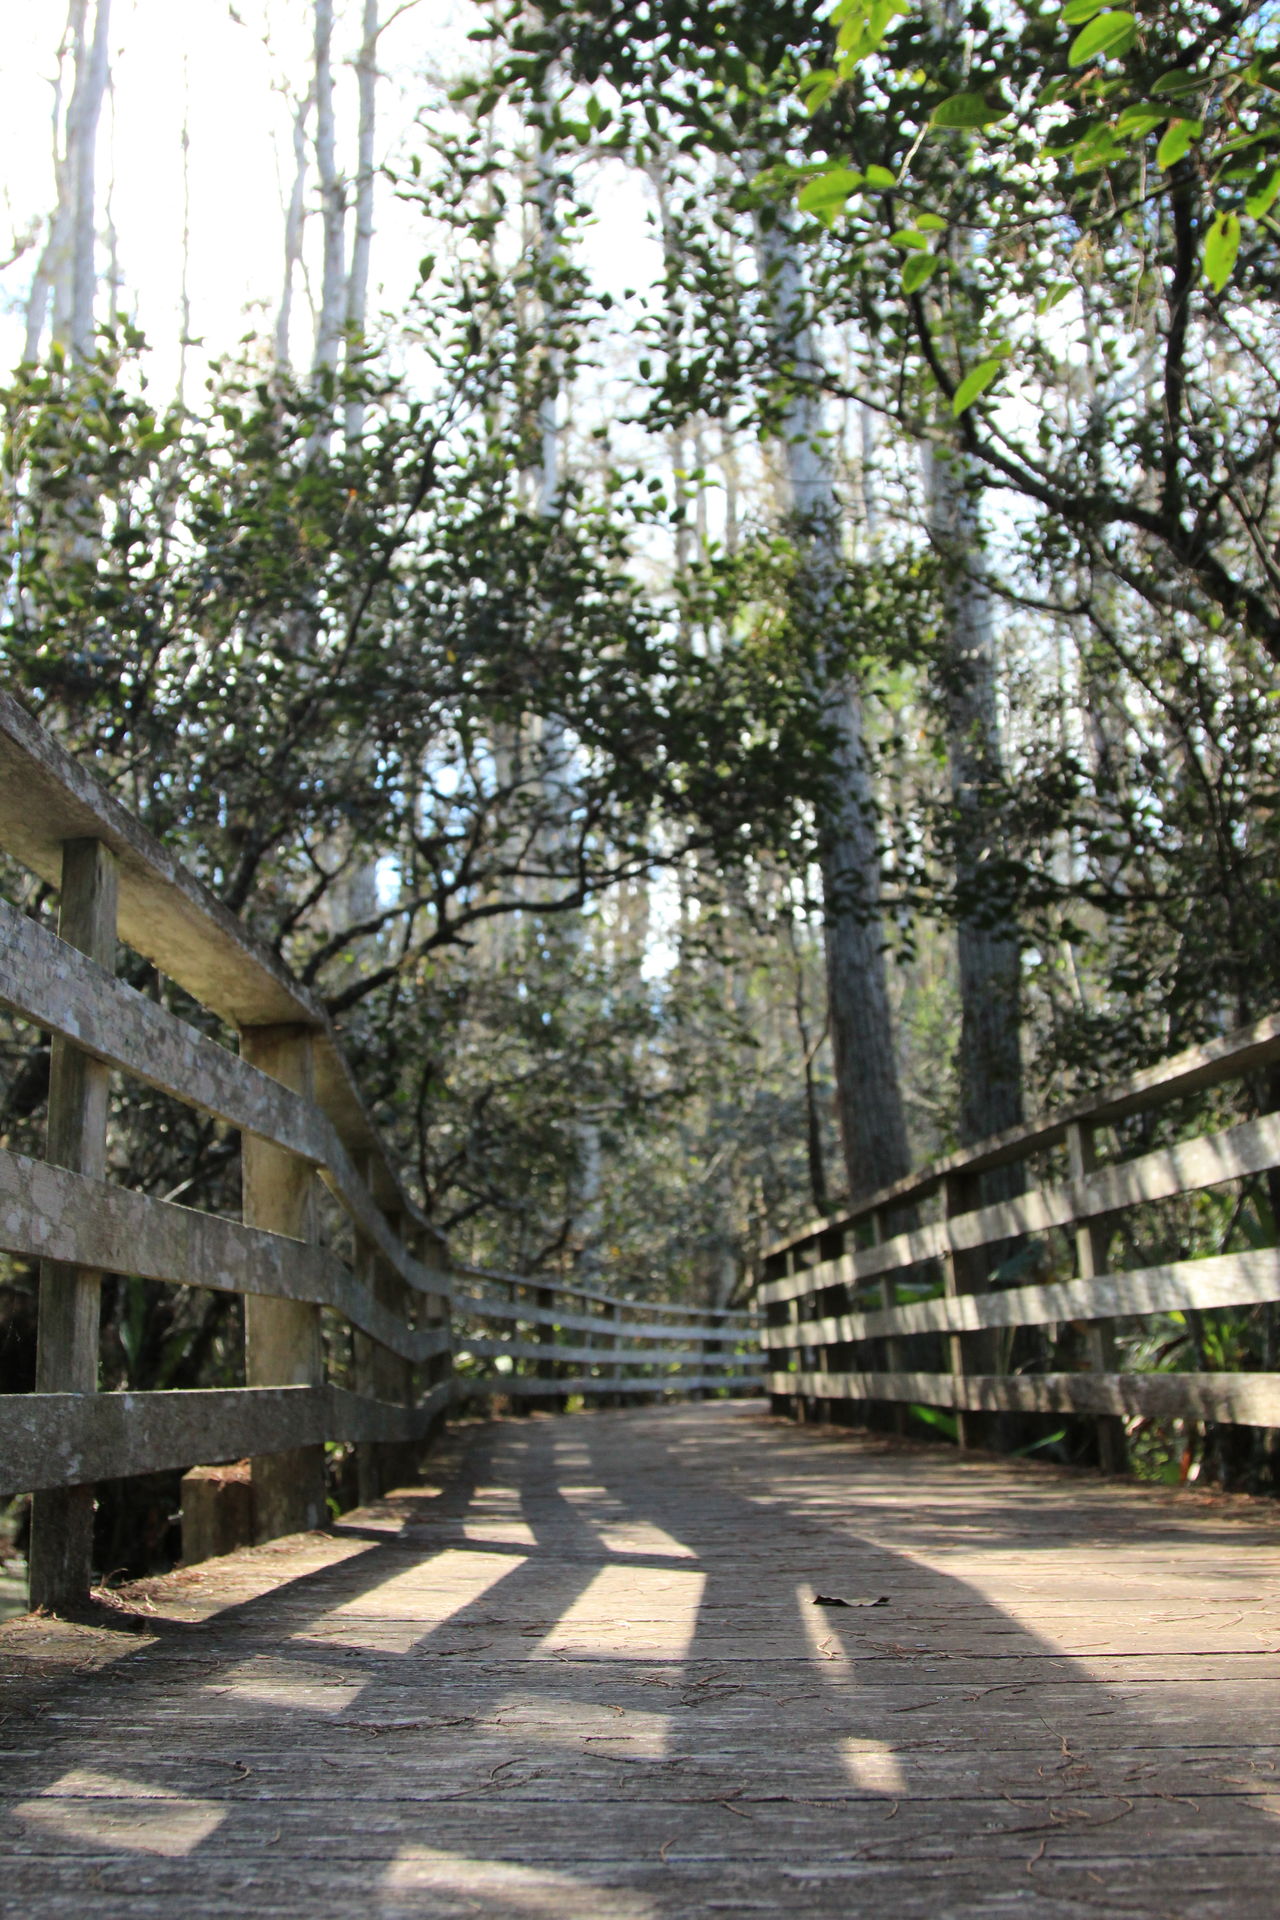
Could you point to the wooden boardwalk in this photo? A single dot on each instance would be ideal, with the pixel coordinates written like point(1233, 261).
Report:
point(583, 1674)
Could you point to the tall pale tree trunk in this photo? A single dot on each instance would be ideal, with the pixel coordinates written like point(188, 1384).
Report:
point(66, 275)
point(869, 1097)
point(294, 222)
point(362, 240)
point(987, 946)
point(333, 207)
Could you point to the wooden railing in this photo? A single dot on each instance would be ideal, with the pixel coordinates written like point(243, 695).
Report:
point(386, 1272)
point(885, 1307)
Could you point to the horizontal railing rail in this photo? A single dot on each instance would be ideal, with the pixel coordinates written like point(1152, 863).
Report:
point(839, 1332)
point(288, 1091)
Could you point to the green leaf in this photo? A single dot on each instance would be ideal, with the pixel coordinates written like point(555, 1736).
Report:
point(917, 270)
point(974, 383)
point(1221, 245)
point(966, 112)
point(1176, 81)
point(908, 239)
point(1176, 140)
point(1077, 10)
point(931, 223)
point(818, 88)
point(1138, 121)
point(1261, 203)
point(1106, 33)
point(826, 195)
point(881, 177)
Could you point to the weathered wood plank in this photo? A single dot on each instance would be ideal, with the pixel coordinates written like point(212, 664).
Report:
point(1233, 1057)
point(669, 1308)
point(655, 1355)
point(70, 1292)
point(51, 1440)
point(583, 1674)
point(48, 1213)
point(168, 916)
point(1246, 1399)
point(45, 980)
point(519, 1386)
point(1250, 1148)
point(490, 1307)
point(1218, 1280)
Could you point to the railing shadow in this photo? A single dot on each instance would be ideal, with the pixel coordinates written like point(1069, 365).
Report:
point(626, 1703)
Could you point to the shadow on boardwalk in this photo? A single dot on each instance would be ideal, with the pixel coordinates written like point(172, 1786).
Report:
point(587, 1677)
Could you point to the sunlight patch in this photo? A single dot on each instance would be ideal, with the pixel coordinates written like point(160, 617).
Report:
point(643, 1610)
point(508, 1890)
point(104, 1810)
point(641, 1536)
point(873, 1766)
point(259, 1685)
point(401, 1611)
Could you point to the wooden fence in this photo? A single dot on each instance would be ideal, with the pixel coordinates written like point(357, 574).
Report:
point(384, 1276)
point(887, 1307)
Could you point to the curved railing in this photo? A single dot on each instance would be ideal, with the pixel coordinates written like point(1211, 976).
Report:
point(385, 1271)
point(860, 1310)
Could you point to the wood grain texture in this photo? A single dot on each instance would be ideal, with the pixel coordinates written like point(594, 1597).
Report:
point(71, 1439)
point(46, 1212)
point(171, 918)
point(1219, 1280)
point(71, 1290)
point(1230, 1058)
point(1247, 1399)
point(583, 1674)
point(652, 1354)
point(1233, 1154)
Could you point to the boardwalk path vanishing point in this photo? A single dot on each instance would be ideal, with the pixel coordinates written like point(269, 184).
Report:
point(582, 1673)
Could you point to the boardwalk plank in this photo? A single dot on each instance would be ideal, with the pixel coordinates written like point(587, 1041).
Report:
point(584, 1674)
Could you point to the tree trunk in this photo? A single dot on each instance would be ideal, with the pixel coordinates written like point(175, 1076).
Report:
point(67, 271)
point(294, 220)
point(82, 150)
point(986, 931)
point(362, 243)
point(333, 287)
point(869, 1097)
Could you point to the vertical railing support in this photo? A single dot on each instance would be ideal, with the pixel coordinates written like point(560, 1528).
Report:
point(900, 1414)
point(971, 1353)
point(1091, 1258)
point(380, 1373)
point(61, 1555)
point(282, 1337)
point(610, 1340)
point(546, 1336)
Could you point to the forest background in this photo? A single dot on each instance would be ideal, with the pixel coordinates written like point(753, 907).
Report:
point(706, 575)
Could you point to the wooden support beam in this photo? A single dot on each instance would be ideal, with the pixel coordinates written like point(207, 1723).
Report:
point(966, 1272)
point(1092, 1239)
point(282, 1337)
point(70, 1296)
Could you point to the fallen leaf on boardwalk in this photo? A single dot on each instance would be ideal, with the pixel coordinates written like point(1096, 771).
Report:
point(834, 1600)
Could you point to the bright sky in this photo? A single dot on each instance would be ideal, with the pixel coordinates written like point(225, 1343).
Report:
point(228, 71)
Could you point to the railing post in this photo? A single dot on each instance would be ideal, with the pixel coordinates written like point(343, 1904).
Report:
point(1091, 1258)
point(61, 1557)
point(382, 1374)
point(547, 1369)
point(900, 1412)
point(282, 1337)
point(971, 1353)
point(436, 1311)
point(610, 1340)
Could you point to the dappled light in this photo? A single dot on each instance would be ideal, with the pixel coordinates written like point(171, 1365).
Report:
point(680, 1661)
